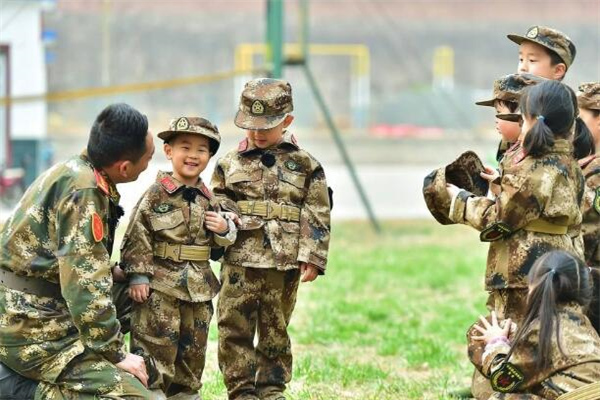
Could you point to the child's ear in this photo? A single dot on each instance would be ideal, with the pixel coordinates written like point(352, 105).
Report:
point(168, 150)
point(288, 120)
point(560, 71)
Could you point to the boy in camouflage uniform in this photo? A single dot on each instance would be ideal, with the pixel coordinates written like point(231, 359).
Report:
point(282, 195)
point(166, 249)
point(58, 322)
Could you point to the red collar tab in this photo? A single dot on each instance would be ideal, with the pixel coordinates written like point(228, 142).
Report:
point(243, 146)
point(102, 182)
point(168, 184)
point(205, 191)
point(585, 161)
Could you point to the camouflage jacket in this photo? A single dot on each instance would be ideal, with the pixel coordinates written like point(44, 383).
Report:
point(577, 366)
point(62, 232)
point(297, 179)
point(163, 215)
point(591, 211)
point(549, 188)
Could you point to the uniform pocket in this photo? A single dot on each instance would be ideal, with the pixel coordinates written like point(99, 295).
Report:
point(233, 281)
point(169, 227)
point(294, 179)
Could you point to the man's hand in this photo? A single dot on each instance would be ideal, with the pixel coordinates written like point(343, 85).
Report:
point(309, 272)
point(215, 222)
point(139, 293)
point(490, 174)
point(135, 365)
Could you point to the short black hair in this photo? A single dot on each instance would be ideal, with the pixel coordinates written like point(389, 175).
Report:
point(512, 106)
point(119, 133)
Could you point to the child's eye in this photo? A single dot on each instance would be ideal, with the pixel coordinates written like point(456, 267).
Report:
point(185, 148)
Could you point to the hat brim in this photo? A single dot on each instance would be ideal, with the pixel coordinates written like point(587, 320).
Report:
point(487, 103)
point(168, 135)
point(518, 39)
point(511, 117)
point(248, 121)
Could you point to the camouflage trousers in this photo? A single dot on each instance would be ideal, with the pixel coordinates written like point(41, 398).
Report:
point(89, 376)
point(174, 333)
point(255, 301)
point(507, 303)
point(86, 376)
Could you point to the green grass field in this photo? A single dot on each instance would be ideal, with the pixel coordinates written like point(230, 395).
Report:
point(388, 321)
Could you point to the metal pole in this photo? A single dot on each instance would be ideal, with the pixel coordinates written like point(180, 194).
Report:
point(275, 37)
point(340, 144)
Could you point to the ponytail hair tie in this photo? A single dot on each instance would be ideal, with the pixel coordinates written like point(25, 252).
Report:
point(540, 118)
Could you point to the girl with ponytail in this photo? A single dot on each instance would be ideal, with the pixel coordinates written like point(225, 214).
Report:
point(555, 350)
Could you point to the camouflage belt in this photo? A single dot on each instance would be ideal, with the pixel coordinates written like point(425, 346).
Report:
point(587, 392)
point(181, 252)
point(269, 210)
point(28, 284)
point(543, 226)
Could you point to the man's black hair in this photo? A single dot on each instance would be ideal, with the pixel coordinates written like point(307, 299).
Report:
point(119, 133)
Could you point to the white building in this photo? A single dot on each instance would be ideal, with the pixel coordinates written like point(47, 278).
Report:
point(22, 72)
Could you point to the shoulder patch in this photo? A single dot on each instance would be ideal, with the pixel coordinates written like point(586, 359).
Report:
point(597, 200)
point(97, 227)
point(507, 378)
point(243, 145)
point(101, 182)
point(168, 184)
point(495, 232)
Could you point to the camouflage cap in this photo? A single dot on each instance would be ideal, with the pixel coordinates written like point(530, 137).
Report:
point(264, 104)
point(193, 126)
point(510, 87)
point(589, 95)
point(551, 39)
point(436, 196)
point(464, 173)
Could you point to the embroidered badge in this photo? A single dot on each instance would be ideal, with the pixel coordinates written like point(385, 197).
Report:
point(495, 232)
point(532, 33)
point(97, 227)
point(101, 182)
point(258, 108)
point(507, 378)
point(163, 208)
point(597, 200)
point(182, 124)
point(291, 165)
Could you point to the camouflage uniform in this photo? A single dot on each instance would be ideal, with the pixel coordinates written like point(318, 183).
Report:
point(577, 368)
point(282, 195)
point(168, 246)
point(62, 234)
point(589, 97)
point(539, 201)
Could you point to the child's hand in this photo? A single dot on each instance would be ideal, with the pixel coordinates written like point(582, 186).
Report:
point(215, 222)
point(490, 174)
point(140, 292)
point(492, 331)
point(309, 272)
point(234, 217)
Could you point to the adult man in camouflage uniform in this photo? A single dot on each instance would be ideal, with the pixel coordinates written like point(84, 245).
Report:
point(282, 195)
point(58, 323)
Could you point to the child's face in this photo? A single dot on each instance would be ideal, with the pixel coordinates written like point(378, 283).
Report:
point(189, 155)
point(509, 131)
point(265, 138)
point(592, 122)
point(534, 59)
